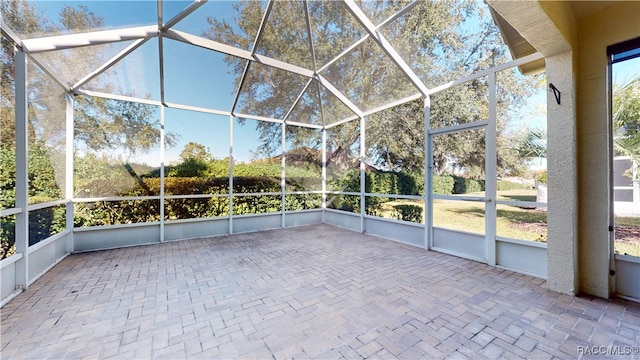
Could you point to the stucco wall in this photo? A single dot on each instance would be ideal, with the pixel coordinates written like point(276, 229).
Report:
point(562, 168)
point(561, 14)
point(595, 32)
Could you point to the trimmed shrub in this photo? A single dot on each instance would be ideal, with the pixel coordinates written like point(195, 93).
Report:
point(443, 184)
point(464, 186)
point(408, 212)
point(397, 183)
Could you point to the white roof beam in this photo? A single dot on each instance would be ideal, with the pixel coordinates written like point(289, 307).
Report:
point(329, 86)
point(479, 74)
point(256, 117)
point(184, 13)
point(286, 116)
point(49, 73)
point(197, 109)
point(382, 24)
point(253, 51)
point(282, 65)
point(70, 41)
point(304, 125)
point(263, 22)
point(405, 100)
point(343, 121)
point(342, 54)
point(117, 97)
point(401, 12)
point(233, 51)
point(109, 63)
point(206, 43)
point(6, 31)
point(321, 104)
point(386, 46)
point(160, 51)
point(307, 20)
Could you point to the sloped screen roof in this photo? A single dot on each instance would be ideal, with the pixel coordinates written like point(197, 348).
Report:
point(310, 63)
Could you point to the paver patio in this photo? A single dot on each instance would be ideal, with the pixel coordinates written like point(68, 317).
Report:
point(308, 292)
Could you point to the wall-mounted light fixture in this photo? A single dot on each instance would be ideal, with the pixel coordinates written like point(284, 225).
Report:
point(556, 92)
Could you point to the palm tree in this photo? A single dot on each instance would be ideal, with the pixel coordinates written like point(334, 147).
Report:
point(626, 119)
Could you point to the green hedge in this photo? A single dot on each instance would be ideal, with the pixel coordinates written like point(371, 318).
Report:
point(443, 184)
point(409, 212)
point(399, 183)
point(510, 185)
point(464, 186)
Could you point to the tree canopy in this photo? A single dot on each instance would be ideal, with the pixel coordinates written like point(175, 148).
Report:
point(435, 40)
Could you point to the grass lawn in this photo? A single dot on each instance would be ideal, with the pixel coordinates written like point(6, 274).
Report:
point(512, 221)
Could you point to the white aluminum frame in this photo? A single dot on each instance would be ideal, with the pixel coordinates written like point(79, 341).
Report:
point(141, 34)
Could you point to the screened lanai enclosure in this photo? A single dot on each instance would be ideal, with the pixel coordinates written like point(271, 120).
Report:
point(130, 123)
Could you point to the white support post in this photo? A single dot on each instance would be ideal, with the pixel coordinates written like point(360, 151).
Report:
point(324, 172)
point(490, 173)
point(22, 170)
point(69, 170)
point(636, 184)
point(283, 173)
point(362, 174)
point(230, 174)
point(428, 177)
point(162, 160)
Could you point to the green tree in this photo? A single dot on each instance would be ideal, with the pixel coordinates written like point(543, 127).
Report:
point(193, 150)
point(626, 118)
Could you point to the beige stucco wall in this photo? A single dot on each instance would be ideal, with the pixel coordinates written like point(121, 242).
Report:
point(595, 32)
point(562, 215)
point(564, 21)
point(578, 147)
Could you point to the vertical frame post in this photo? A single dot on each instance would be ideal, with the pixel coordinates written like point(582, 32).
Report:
point(636, 184)
point(230, 174)
point(162, 160)
point(22, 170)
point(490, 187)
point(283, 173)
point(428, 177)
point(69, 130)
point(324, 173)
point(362, 174)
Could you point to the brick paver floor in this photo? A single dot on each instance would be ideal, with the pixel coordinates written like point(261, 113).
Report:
point(307, 292)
